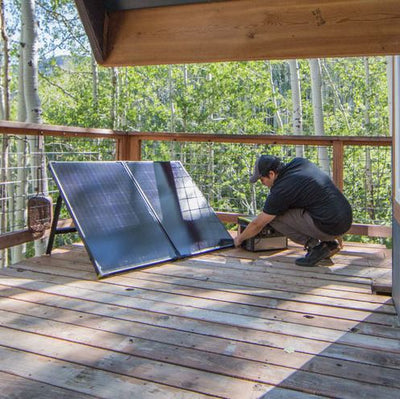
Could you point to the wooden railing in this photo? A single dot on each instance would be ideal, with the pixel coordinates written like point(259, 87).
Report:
point(129, 146)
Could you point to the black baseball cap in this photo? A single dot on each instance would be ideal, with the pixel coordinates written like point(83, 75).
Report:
point(263, 165)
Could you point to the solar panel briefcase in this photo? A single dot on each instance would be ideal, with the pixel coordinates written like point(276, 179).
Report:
point(267, 239)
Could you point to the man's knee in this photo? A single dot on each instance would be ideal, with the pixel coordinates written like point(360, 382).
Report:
point(292, 217)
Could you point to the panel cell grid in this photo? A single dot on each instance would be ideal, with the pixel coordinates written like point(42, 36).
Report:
point(134, 214)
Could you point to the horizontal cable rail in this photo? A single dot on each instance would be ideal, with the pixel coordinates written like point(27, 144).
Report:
point(118, 145)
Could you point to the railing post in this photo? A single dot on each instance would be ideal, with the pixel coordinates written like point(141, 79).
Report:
point(129, 148)
point(338, 160)
point(122, 145)
point(135, 149)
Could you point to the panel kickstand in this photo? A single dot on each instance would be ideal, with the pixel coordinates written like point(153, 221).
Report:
point(54, 230)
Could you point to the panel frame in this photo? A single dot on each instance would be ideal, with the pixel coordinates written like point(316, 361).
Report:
point(82, 233)
point(217, 220)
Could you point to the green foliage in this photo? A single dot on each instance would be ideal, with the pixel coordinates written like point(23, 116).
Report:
point(230, 98)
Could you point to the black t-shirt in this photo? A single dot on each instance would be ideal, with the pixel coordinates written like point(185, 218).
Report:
point(301, 184)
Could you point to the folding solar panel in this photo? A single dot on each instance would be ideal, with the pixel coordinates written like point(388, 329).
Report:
point(115, 222)
point(183, 211)
point(134, 214)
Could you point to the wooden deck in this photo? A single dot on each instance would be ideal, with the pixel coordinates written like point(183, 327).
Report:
point(228, 324)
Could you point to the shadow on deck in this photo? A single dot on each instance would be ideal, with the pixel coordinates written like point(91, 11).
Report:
point(229, 324)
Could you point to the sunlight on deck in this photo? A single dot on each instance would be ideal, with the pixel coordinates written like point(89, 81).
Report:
point(230, 324)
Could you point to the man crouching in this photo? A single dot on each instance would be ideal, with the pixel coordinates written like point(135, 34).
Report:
point(303, 204)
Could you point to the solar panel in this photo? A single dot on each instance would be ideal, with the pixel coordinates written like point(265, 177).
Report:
point(183, 211)
point(115, 222)
point(134, 214)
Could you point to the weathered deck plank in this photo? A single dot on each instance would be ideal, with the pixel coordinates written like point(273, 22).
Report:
point(228, 324)
point(13, 386)
point(164, 342)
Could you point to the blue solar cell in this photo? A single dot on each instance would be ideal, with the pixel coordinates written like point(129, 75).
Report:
point(182, 209)
point(134, 214)
point(117, 226)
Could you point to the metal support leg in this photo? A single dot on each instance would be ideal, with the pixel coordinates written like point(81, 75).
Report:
point(57, 211)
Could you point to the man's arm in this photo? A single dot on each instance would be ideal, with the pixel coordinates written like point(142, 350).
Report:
point(254, 227)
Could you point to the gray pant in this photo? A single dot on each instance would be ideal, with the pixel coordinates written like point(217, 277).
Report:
point(298, 225)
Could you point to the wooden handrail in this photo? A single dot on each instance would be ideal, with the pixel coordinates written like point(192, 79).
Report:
point(20, 237)
point(20, 128)
point(266, 139)
point(129, 148)
point(369, 230)
point(33, 129)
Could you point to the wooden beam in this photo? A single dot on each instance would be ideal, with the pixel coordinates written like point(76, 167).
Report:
point(22, 236)
point(369, 230)
point(9, 240)
point(19, 237)
point(135, 4)
point(228, 217)
point(36, 129)
point(265, 139)
point(381, 286)
point(253, 30)
point(22, 128)
point(94, 19)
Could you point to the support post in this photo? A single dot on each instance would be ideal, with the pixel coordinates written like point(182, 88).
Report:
point(129, 148)
point(135, 149)
point(338, 160)
point(122, 146)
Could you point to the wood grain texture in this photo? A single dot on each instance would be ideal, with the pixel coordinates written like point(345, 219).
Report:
point(252, 30)
point(94, 18)
point(228, 324)
point(13, 386)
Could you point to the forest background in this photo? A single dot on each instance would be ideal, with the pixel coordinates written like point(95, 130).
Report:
point(49, 75)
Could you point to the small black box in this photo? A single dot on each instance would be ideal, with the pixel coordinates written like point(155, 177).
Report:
point(268, 238)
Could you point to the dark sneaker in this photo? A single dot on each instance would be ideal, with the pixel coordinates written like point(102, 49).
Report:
point(333, 246)
point(314, 255)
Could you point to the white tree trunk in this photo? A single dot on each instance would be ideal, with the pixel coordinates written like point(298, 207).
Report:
point(6, 63)
point(2, 112)
point(115, 98)
point(277, 115)
point(338, 102)
point(20, 216)
point(95, 84)
point(5, 114)
point(316, 89)
point(172, 110)
point(296, 101)
point(32, 103)
point(124, 98)
point(171, 100)
point(3, 195)
point(369, 184)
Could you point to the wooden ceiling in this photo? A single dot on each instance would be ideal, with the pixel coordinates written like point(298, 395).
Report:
point(139, 32)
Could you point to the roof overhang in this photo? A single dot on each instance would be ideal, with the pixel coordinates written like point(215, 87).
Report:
point(141, 32)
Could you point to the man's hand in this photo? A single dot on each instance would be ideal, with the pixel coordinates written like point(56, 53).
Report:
point(237, 242)
point(253, 228)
